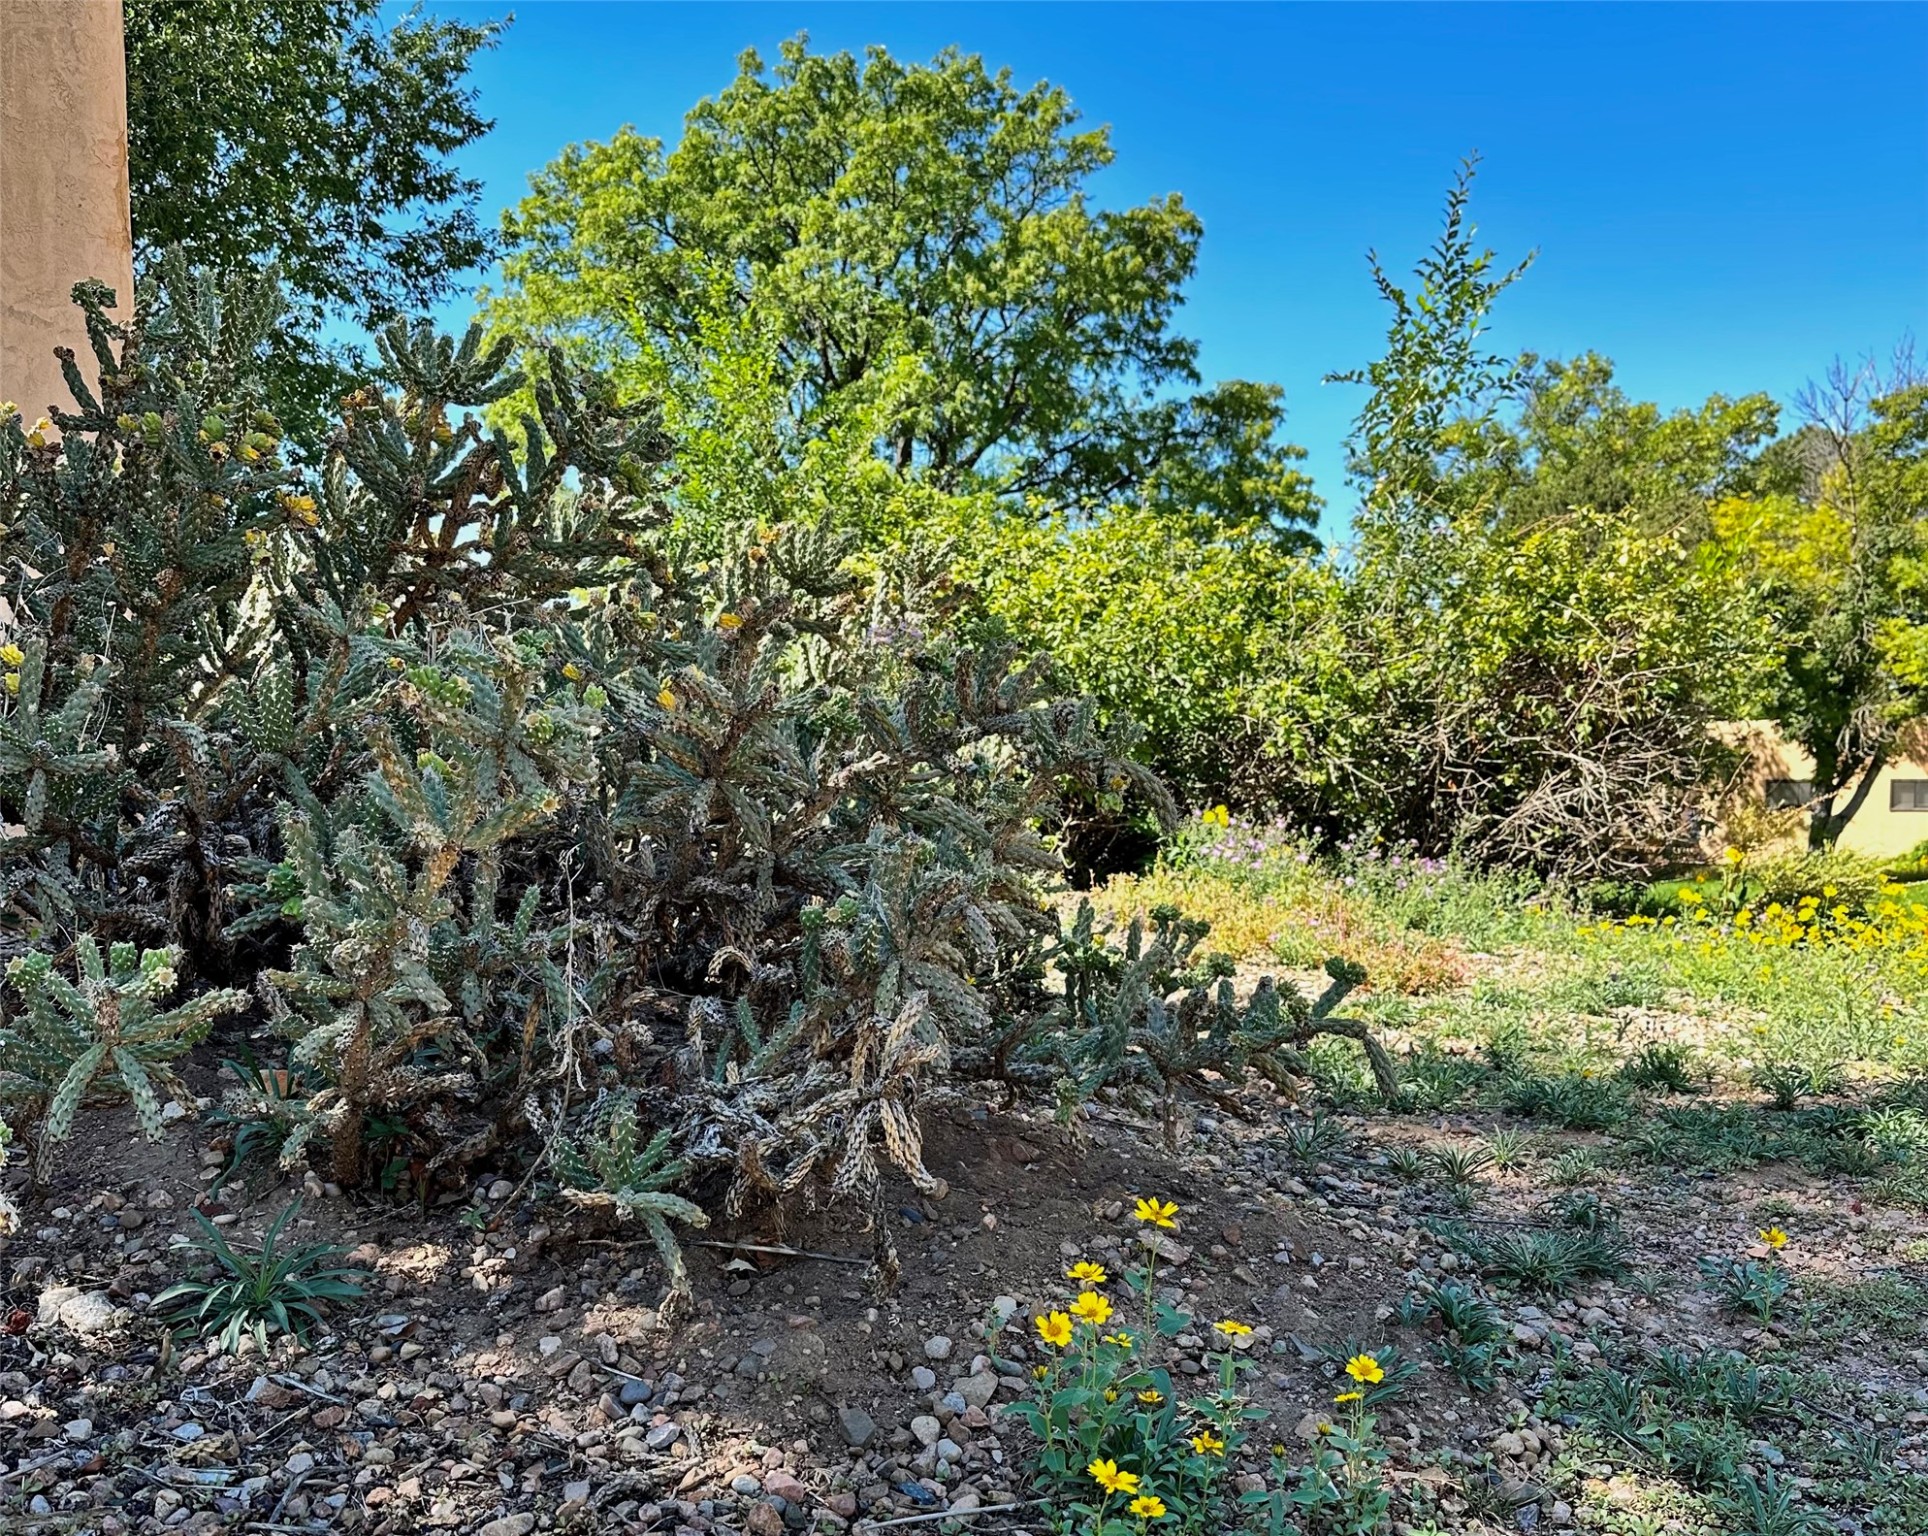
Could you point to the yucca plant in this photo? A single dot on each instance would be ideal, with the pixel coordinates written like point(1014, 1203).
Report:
point(103, 1035)
point(271, 1291)
point(609, 1168)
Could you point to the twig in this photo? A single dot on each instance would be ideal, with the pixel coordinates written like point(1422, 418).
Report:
point(782, 1252)
point(951, 1514)
point(301, 1386)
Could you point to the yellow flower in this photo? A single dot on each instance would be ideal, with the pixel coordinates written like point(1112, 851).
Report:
point(1122, 1339)
point(1111, 1394)
point(1217, 816)
point(1324, 1427)
point(1206, 1443)
point(1349, 1397)
point(571, 671)
point(1775, 1238)
point(1148, 1506)
point(1108, 1476)
point(1733, 856)
point(1232, 1329)
point(1364, 1368)
point(1090, 1307)
point(1159, 1213)
point(12, 655)
point(729, 621)
point(666, 698)
point(1152, 1396)
point(1055, 1329)
point(1827, 890)
point(1039, 1372)
point(12, 682)
point(1086, 1272)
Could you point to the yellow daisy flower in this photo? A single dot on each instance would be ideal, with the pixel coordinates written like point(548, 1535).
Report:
point(1775, 1238)
point(1232, 1329)
point(1365, 1369)
point(1055, 1329)
point(1090, 1307)
point(1086, 1272)
point(1159, 1213)
point(1208, 1444)
point(1148, 1506)
point(1108, 1475)
point(1152, 1396)
point(1349, 1397)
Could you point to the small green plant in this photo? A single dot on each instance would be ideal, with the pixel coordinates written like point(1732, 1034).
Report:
point(102, 1035)
point(610, 1170)
point(1574, 1100)
point(1752, 1286)
point(1461, 1165)
point(1473, 1331)
point(1765, 1506)
point(1408, 1163)
point(1574, 1166)
point(1315, 1140)
point(1512, 1147)
point(258, 1294)
point(1582, 1209)
point(1786, 1083)
point(1549, 1261)
point(9, 1212)
point(1665, 1067)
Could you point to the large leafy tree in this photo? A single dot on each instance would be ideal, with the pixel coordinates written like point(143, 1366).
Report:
point(1528, 652)
point(315, 135)
point(904, 258)
point(1834, 539)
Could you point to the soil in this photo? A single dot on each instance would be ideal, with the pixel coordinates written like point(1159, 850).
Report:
point(509, 1370)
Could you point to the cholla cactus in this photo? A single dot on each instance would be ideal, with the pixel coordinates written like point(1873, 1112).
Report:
point(1154, 1014)
point(608, 1170)
point(9, 1212)
point(101, 1035)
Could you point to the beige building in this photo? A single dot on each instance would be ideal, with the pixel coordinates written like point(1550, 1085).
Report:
point(1893, 816)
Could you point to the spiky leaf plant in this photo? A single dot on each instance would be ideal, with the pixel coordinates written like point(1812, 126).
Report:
point(102, 1035)
point(608, 1168)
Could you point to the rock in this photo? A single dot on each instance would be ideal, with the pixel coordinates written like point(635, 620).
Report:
point(923, 1378)
point(188, 1431)
point(765, 1520)
point(575, 1493)
point(858, 1427)
point(745, 1485)
point(785, 1486)
point(84, 1312)
point(937, 1347)
point(926, 1429)
point(509, 1525)
point(965, 1501)
point(501, 1189)
point(842, 1505)
point(550, 1300)
point(79, 1429)
point(977, 1391)
point(663, 1436)
point(632, 1393)
point(949, 1451)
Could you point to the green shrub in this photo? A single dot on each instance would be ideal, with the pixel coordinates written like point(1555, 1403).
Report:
point(273, 1291)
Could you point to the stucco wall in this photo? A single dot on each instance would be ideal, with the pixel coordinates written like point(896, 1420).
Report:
point(1876, 830)
point(63, 185)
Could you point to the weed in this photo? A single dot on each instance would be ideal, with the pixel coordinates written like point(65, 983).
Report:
point(1665, 1068)
point(1512, 1147)
point(1461, 1165)
point(258, 1294)
point(1786, 1083)
point(1313, 1141)
point(1574, 1100)
point(1746, 1285)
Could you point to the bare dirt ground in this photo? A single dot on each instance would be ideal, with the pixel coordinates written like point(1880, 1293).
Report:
point(508, 1371)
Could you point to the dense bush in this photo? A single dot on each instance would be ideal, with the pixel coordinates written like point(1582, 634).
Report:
point(527, 826)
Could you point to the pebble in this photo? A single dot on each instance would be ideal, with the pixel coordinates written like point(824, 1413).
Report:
point(509, 1525)
point(858, 1427)
point(938, 1347)
point(926, 1429)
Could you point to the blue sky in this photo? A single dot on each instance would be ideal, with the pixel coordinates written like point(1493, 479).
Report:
point(1723, 197)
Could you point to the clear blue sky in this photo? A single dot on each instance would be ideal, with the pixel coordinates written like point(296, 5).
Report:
point(1724, 197)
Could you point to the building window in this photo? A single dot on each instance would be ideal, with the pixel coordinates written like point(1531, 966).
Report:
point(1789, 794)
point(1908, 794)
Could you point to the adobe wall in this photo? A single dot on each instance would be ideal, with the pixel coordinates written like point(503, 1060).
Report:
point(63, 186)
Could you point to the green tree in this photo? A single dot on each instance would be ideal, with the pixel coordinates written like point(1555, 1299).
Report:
point(315, 135)
point(1834, 540)
point(905, 259)
point(1527, 653)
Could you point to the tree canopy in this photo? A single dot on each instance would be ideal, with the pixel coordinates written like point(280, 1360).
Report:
point(315, 136)
point(911, 256)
